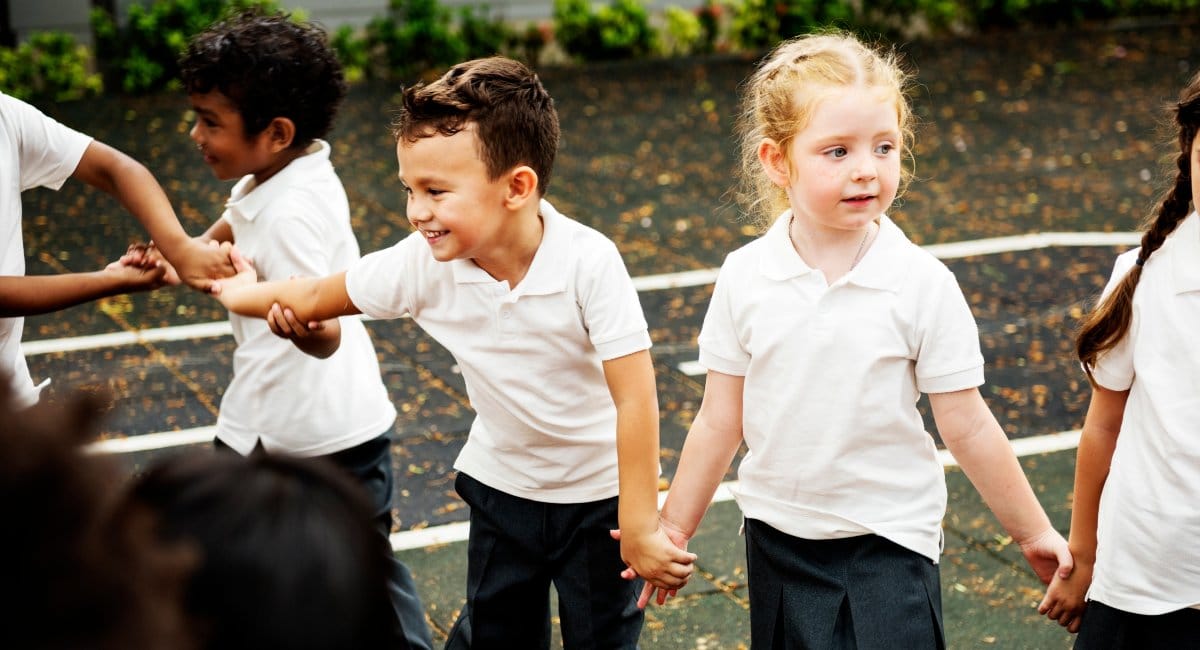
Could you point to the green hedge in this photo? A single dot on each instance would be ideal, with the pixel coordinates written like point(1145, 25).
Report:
point(417, 38)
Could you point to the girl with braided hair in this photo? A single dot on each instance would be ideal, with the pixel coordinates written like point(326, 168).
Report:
point(1136, 517)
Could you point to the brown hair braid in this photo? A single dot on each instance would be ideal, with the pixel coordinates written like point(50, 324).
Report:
point(1108, 323)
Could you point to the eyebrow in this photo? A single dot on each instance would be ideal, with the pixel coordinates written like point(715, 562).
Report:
point(204, 112)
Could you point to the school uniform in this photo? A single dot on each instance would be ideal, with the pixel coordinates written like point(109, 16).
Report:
point(539, 468)
point(35, 151)
point(282, 400)
point(838, 456)
point(1147, 572)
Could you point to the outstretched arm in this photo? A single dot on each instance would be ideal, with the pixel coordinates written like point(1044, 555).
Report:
point(310, 299)
point(645, 547)
point(28, 295)
point(1064, 601)
point(712, 442)
point(127, 180)
point(979, 445)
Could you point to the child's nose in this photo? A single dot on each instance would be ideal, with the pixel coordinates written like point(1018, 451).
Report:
point(417, 210)
point(864, 169)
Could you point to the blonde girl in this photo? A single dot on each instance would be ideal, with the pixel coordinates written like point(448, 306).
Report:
point(1135, 523)
point(820, 337)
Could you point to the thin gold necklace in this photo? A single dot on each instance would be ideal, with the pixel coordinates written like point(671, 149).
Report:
point(857, 254)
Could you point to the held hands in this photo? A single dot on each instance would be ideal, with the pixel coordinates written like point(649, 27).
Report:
point(245, 275)
point(661, 559)
point(201, 265)
point(1065, 599)
point(137, 278)
point(142, 268)
point(1048, 554)
point(284, 324)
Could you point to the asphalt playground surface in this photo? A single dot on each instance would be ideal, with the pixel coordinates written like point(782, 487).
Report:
point(1036, 154)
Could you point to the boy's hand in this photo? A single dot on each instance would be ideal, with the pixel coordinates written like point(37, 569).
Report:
point(1066, 598)
point(146, 277)
point(660, 558)
point(284, 324)
point(201, 265)
point(148, 256)
point(246, 274)
point(1048, 554)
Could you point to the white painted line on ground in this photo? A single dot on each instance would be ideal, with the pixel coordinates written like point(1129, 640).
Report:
point(115, 339)
point(1032, 241)
point(675, 280)
point(152, 441)
point(678, 280)
point(457, 532)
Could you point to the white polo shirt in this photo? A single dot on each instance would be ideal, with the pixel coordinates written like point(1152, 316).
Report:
point(298, 224)
point(1148, 532)
point(34, 151)
point(836, 445)
point(545, 425)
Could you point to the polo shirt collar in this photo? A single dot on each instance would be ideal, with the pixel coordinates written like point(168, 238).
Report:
point(547, 271)
point(247, 204)
point(880, 268)
point(1185, 269)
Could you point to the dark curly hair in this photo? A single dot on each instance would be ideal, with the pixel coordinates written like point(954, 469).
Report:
point(514, 117)
point(270, 66)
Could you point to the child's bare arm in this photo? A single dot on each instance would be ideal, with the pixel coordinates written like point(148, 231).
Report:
point(1064, 600)
point(645, 547)
point(310, 299)
point(973, 435)
point(127, 180)
point(28, 295)
point(708, 451)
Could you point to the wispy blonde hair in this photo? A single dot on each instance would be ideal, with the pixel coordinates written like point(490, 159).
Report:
point(778, 101)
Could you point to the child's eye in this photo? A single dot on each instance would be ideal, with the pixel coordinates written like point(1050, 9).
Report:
point(885, 148)
point(837, 152)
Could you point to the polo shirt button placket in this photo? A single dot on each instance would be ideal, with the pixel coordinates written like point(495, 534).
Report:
point(823, 320)
point(506, 319)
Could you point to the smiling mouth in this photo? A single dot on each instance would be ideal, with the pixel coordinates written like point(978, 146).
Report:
point(433, 234)
point(860, 197)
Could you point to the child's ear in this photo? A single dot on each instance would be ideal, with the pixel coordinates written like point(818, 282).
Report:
point(522, 185)
point(280, 133)
point(774, 161)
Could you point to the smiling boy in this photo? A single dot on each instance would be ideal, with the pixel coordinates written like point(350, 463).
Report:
point(265, 89)
point(542, 317)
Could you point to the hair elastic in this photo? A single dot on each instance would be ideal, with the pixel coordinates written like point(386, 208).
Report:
point(1141, 261)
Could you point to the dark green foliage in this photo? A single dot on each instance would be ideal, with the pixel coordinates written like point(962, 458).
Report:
point(620, 30)
point(51, 66)
point(140, 55)
point(415, 37)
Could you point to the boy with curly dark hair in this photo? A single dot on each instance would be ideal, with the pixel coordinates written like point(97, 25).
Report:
point(265, 89)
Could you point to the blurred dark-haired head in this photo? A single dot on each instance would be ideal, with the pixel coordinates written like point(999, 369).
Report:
point(79, 572)
point(289, 556)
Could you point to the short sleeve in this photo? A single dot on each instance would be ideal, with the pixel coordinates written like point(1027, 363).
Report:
point(721, 349)
point(948, 354)
point(1114, 368)
point(49, 152)
point(611, 310)
point(378, 283)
